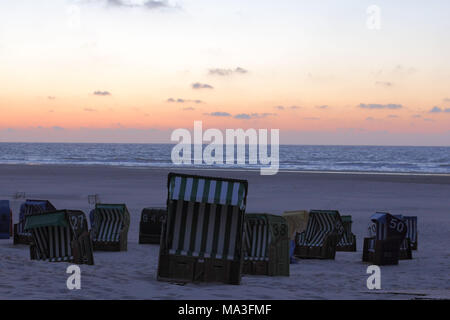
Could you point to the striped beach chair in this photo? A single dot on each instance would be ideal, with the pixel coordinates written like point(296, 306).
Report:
point(27, 208)
point(411, 223)
point(110, 227)
point(348, 240)
point(297, 223)
point(266, 245)
point(150, 226)
point(60, 236)
point(5, 220)
point(202, 236)
point(386, 235)
point(319, 240)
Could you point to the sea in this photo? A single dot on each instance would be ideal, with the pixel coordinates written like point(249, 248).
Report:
point(360, 159)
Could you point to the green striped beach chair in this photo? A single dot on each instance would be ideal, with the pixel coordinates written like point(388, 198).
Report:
point(266, 245)
point(348, 240)
point(110, 227)
point(319, 240)
point(60, 236)
point(201, 239)
point(411, 223)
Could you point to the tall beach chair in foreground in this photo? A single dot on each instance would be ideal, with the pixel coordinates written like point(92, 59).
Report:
point(319, 240)
point(386, 235)
point(297, 223)
point(27, 208)
point(411, 234)
point(152, 220)
point(110, 227)
point(202, 238)
point(266, 245)
point(5, 220)
point(60, 236)
point(348, 240)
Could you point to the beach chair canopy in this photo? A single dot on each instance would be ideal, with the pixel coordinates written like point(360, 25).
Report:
point(109, 221)
point(53, 233)
point(385, 226)
point(5, 219)
point(35, 206)
point(411, 223)
point(321, 223)
point(205, 216)
point(297, 222)
point(347, 237)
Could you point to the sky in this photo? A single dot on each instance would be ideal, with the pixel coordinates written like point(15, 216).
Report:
point(322, 72)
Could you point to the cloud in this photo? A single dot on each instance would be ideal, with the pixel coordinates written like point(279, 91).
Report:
point(370, 119)
point(149, 4)
point(392, 116)
point(281, 108)
point(294, 107)
point(311, 118)
point(322, 107)
point(102, 93)
point(417, 116)
point(89, 110)
point(57, 128)
point(380, 106)
point(51, 98)
point(446, 99)
point(227, 72)
point(246, 116)
point(404, 70)
point(439, 110)
point(199, 85)
point(385, 84)
point(189, 109)
point(218, 114)
point(179, 100)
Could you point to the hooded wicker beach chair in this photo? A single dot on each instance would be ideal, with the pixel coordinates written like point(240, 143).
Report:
point(411, 234)
point(5, 220)
point(266, 245)
point(150, 226)
point(297, 223)
point(201, 239)
point(321, 236)
point(110, 227)
point(27, 208)
point(60, 236)
point(348, 240)
point(386, 235)
point(405, 252)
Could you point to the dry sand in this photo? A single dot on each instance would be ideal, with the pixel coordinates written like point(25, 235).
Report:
point(132, 274)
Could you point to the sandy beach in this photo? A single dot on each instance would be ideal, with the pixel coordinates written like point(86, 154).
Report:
point(132, 274)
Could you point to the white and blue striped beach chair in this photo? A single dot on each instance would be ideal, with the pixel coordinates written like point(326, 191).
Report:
point(202, 236)
point(348, 240)
point(319, 240)
point(110, 227)
point(60, 236)
point(29, 207)
point(411, 223)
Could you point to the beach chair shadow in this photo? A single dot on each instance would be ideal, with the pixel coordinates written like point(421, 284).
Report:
point(150, 226)
point(110, 227)
point(201, 239)
point(266, 245)
point(322, 234)
point(60, 236)
point(29, 207)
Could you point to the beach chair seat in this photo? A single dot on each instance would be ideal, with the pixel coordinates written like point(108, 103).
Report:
point(322, 234)
point(386, 235)
point(5, 220)
point(266, 245)
point(150, 226)
point(110, 227)
point(29, 207)
point(60, 236)
point(201, 239)
point(411, 223)
point(348, 240)
point(297, 222)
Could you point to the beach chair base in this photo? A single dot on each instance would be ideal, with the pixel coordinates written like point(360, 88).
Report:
point(82, 249)
point(21, 239)
point(348, 248)
point(149, 238)
point(386, 252)
point(107, 246)
point(326, 251)
point(191, 269)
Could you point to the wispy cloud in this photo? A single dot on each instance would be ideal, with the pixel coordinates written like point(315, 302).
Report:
point(227, 72)
point(102, 93)
point(311, 118)
point(370, 119)
point(246, 116)
point(439, 110)
point(89, 110)
point(380, 106)
point(189, 109)
point(323, 107)
point(385, 84)
point(393, 116)
point(218, 114)
point(149, 4)
point(281, 108)
point(179, 100)
point(51, 98)
point(199, 85)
